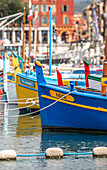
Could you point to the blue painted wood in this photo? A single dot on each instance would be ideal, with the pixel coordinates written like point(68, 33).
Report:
point(30, 77)
point(11, 78)
point(84, 114)
point(4, 65)
point(27, 87)
point(27, 82)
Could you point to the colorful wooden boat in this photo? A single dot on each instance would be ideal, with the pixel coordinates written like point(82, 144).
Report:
point(27, 92)
point(94, 82)
point(11, 79)
point(71, 109)
point(21, 88)
point(1, 65)
point(5, 70)
point(1, 73)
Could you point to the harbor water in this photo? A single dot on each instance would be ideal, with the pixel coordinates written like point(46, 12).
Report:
point(25, 136)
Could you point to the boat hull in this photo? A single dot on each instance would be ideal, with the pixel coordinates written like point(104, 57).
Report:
point(11, 89)
point(84, 113)
point(27, 92)
point(1, 81)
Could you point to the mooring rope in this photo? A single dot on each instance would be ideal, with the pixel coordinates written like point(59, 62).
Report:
point(42, 108)
point(4, 81)
point(39, 109)
point(18, 99)
point(56, 101)
point(8, 93)
point(44, 154)
point(7, 86)
point(8, 110)
point(6, 73)
point(17, 102)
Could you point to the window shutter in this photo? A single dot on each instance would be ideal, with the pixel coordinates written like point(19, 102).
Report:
point(41, 20)
point(46, 8)
point(62, 8)
point(41, 8)
point(67, 8)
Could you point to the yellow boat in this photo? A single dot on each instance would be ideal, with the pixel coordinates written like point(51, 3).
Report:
point(27, 92)
point(25, 124)
point(21, 88)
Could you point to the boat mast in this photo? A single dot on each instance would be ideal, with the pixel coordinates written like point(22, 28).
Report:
point(36, 28)
point(50, 46)
point(23, 45)
point(29, 40)
point(103, 88)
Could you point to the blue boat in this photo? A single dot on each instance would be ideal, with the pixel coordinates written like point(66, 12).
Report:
point(1, 81)
point(70, 109)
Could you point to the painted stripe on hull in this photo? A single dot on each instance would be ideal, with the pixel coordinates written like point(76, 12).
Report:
point(75, 104)
point(11, 81)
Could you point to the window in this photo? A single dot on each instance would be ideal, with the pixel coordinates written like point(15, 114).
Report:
point(44, 37)
point(66, 20)
point(53, 8)
point(44, 8)
point(65, 8)
point(44, 20)
point(35, 7)
point(54, 20)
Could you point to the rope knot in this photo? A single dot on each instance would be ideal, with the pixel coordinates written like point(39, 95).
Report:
point(30, 100)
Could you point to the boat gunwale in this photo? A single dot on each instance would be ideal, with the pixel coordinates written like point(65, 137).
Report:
point(76, 92)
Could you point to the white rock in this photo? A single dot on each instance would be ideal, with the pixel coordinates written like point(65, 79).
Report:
point(54, 153)
point(100, 151)
point(7, 154)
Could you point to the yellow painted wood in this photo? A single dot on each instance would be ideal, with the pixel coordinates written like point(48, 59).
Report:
point(25, 93)
point(38, 63)
point(66, 82)
point(16, 66)
point(102, 81)
point(11, 74)
point(59, 95)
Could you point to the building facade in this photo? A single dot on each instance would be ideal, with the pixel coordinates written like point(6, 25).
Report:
point(100, 9)
point(69, 26)
point(62, 14)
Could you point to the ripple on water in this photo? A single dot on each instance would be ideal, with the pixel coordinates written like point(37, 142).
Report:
point(24, 135)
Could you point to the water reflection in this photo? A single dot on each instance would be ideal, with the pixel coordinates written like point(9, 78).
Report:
point(100, 162)
point(72, 141)
point(2, 107)
point(24, 135)
point(28, 125)
point(10, 118)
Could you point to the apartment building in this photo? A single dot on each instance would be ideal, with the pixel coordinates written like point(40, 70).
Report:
point(100, 9)
point(70, 27)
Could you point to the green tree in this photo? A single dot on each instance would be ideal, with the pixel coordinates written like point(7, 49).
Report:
point(3, 8)
point(11, 7)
